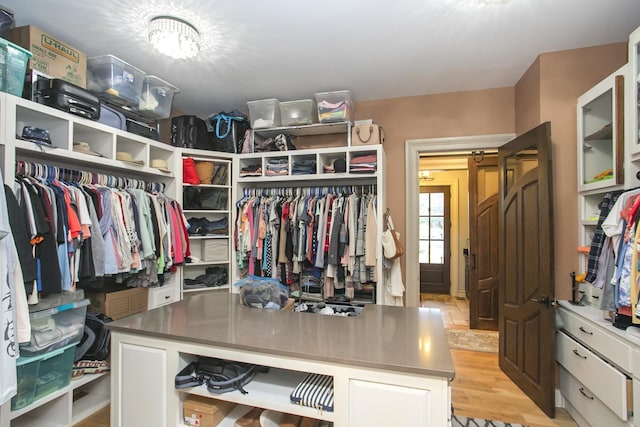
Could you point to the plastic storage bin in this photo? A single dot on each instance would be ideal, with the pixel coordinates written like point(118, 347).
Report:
point(336, 106)
point(301, 112)
point(114, 80)
point(156, 98)
point(264, 113)
point(55, 328)
point(13, 65)
point(42, 375)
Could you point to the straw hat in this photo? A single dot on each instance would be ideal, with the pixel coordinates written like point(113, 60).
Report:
point(160, 164)
point(84, 148)
point(127, 157)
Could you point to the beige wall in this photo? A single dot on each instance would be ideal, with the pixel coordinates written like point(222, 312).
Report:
point(430, 116)
point(547, 91)
point(564, 76)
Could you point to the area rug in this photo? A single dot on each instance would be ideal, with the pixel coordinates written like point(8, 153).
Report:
point(474, 340)
point(459, 421)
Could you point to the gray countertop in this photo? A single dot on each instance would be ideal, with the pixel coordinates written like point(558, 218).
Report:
point(401, 339)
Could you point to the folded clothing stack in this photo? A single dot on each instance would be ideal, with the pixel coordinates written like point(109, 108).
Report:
point(251, 170)
point(303, 167)
point(202, 226)
point(366, 163)
point(332, 111)
point(277, 167)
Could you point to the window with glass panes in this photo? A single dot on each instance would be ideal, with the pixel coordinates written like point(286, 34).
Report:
point(432, 222)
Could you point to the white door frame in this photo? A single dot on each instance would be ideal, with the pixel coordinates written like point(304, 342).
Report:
point(434, 146)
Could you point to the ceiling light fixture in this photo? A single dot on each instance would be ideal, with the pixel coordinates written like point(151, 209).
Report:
point(174, 37)
point(425, 176)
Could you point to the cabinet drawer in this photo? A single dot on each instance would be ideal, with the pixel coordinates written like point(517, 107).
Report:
point(608, 384)
point(161, 295)
point(587, 405)
point(615, 350)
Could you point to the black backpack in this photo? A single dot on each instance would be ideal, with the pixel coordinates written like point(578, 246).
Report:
point(96, 341)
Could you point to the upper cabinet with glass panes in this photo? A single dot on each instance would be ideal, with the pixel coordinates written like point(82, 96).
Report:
point(601, 134)
point(633, 101)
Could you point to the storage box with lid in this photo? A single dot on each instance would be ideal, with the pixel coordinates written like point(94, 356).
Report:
point(335, 106)
point(41, 375)
point(51, 56)
point(55, 327)
point(264, 113)
point(114, 80)
point(13, 64)
point(156, 98)
point(216, 250)
point(295, 113)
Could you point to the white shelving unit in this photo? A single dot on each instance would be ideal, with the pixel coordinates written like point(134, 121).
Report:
point(601, 144)
point(340, 148)
point(208, 250)
point(60, 408)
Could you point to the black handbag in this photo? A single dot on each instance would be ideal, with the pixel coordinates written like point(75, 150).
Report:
point(228, 131)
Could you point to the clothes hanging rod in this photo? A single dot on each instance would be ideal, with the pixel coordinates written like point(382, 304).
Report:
point(46, 172)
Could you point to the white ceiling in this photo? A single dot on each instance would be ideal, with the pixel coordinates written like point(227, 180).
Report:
point(290, 49)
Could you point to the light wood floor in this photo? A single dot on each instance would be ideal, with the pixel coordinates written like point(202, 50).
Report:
point(480, 388)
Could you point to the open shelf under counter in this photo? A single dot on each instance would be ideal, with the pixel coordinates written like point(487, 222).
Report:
point(271, 389)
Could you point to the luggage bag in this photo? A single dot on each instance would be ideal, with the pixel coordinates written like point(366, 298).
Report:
point(65, 96)
point(112, 117)
point(190, 132)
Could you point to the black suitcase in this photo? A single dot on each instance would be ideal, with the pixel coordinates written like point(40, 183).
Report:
point(65, 96)
point(190, 132)
point(142, 129)
point(112, 117)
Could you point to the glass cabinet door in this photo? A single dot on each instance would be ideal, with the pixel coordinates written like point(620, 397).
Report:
point(634, 93)
point(601, 134)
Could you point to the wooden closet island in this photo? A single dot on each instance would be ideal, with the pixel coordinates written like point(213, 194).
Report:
point(390, 365)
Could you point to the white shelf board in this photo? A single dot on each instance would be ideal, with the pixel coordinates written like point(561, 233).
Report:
point(271, 390)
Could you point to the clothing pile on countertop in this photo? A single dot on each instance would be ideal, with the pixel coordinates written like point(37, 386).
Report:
point(331, 237)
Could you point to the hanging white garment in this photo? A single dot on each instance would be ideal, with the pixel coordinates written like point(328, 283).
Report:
point(8, 320)
point(394, 286)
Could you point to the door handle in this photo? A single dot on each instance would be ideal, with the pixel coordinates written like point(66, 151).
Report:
point(545, 300)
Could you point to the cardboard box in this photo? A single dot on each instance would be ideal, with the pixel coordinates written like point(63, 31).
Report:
point(51, 56)
point(119, 304)
point(204, 412)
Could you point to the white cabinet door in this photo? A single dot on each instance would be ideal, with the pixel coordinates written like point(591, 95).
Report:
point(143, 386)
point(378, 404)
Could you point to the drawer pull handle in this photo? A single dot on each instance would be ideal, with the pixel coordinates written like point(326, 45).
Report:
point(585, 394)
point(582, 329)
point(578, 354)
point(167, 296)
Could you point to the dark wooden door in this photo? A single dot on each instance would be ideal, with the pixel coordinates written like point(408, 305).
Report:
point(527, 312)
point(484, 270)
point(434, 239)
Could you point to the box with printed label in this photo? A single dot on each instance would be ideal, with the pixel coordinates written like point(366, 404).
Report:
point(204, 412)
point(51, 56)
